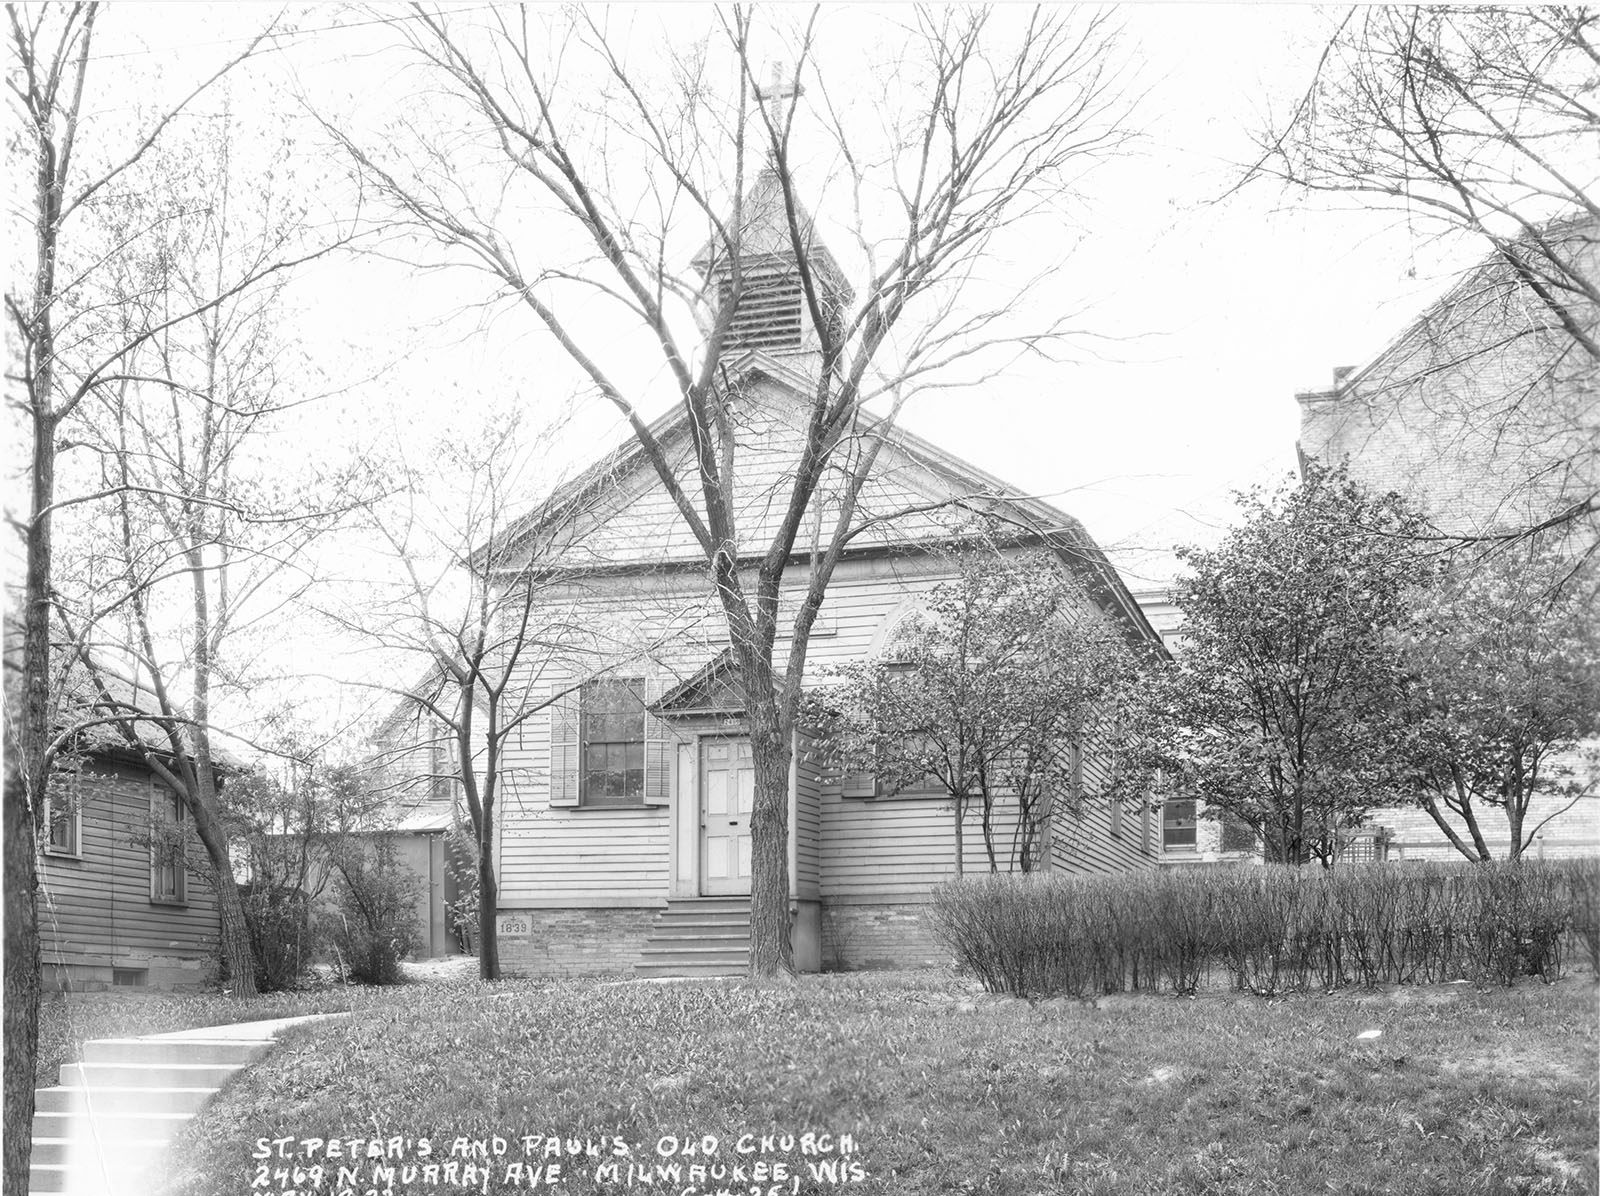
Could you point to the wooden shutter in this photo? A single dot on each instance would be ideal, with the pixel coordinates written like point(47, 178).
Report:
point(564, 748)
point(658, 745)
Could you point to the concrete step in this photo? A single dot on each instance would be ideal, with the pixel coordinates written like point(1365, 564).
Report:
point(141, 1099)
point(685, 970)
point(662, 955)
point(146, 1075)
point(710, 930)
point(59, 1151)
point(112, 1178)
point(173, 1050)
point(108, 1127)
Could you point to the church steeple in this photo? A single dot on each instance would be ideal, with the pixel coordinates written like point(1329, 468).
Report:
point(772, 314)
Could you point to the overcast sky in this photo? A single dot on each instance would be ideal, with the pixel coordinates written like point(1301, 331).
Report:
point(1210, 305)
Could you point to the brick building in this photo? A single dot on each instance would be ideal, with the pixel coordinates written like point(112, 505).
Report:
point(1485, 411)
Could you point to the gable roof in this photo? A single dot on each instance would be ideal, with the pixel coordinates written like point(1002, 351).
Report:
point(81, 702)
point(910, 473)
point(711, 689)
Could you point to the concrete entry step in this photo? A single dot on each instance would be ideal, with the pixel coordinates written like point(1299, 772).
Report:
point(697, 936)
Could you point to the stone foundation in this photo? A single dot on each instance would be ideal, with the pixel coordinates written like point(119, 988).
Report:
point(576, 942)
point(857, 937)
point(158, 973)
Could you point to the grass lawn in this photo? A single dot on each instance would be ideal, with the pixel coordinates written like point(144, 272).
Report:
point(943, 1090)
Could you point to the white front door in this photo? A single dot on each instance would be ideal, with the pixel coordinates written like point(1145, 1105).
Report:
point(727, 796)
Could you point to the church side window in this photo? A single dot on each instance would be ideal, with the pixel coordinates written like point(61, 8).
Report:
point(612, 731)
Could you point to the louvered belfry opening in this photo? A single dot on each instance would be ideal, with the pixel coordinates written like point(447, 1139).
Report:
point(769, 311)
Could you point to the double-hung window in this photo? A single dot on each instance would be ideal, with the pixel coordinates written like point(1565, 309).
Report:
point(64, 818)
point(168, 834)
point(1178, 826)
point(611, 741)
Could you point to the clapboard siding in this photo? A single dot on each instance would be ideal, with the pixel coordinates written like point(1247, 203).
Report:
point(850, 850)
point(1085, 845)
point(96, 910)
point(897, 849)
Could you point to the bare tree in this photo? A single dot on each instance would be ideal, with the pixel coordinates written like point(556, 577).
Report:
point(1477, 123)
point(186, 542)
point(491, 632)
point(66, 355)
point(605, 158)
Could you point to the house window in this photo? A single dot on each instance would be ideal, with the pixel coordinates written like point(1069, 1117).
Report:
point(64, 818)
point(441, 767)
point(611, 741)
point(916, 747)
point(1178, 826)
point(168, 882)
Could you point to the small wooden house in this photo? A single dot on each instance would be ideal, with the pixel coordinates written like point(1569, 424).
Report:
point(122, 898)
point(624, 833)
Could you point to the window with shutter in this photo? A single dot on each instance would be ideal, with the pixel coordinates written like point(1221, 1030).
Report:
point(658, 749)
point(607, 749)
point(564, 749)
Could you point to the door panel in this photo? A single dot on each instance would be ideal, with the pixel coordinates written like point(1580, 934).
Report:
point(727, 797)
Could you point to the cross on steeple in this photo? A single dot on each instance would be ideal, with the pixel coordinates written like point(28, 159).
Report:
point(777, 90)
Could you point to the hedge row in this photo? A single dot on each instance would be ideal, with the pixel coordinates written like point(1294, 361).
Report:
point(1270, 929)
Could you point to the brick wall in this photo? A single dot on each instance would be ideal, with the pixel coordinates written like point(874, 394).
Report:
point(1483, 411)
point(856, 937)
point(576, 942)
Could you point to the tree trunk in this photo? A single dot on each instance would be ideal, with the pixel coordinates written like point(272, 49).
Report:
point(961, 845)
point(21, 971)
point(771, 952)
point(28, 731)
point(488, 905)
point(1431, 805)
point(988, 832)
point(238, 957)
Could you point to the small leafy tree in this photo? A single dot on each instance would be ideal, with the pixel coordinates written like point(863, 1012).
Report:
point(1504, 672)
point(375, 924)
point(290, 826)
point(1277, 710)
point(989, 694)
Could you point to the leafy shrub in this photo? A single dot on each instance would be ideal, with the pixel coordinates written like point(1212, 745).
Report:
point(1583, 883)
point(1268, 929)
point(279, 922)
point(374, 923)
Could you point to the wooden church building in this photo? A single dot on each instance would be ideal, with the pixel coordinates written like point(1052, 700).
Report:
point(624, 827)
